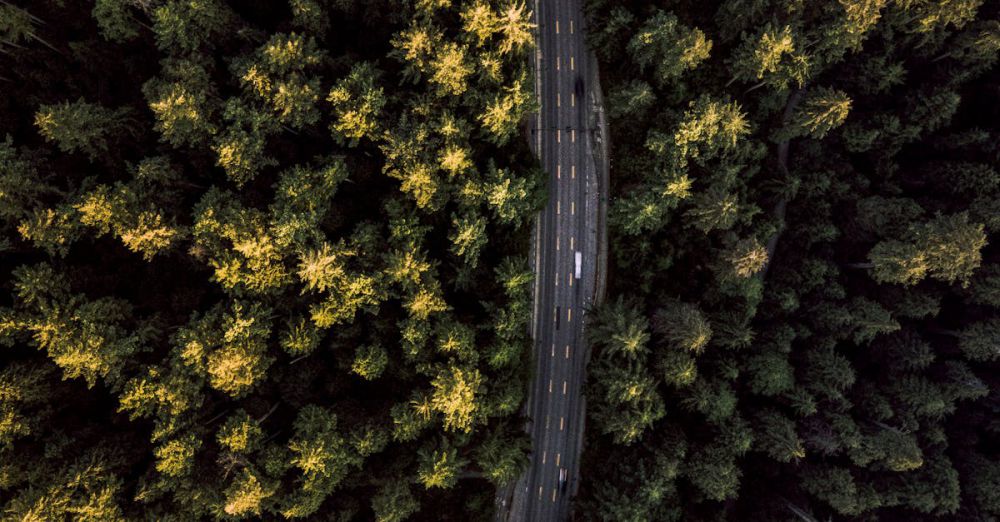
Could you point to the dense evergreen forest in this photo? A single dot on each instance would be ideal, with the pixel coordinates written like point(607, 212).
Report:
point(803, 321)
point(263, 259)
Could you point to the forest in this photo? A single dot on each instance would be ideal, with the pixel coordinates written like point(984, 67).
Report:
point(263, 259)
point(803, 314)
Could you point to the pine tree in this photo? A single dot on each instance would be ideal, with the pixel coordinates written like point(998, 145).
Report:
point(322, 458)
point(455, 396)
point(450, 69)
point(370, 362)
point(682, 327)
point(80, 126)
point(517, 33)
point(669, 46)
point(775, 434)
point(184, 101)
point(620, 329)
point(116, 19)
point(439, 467)
point(513, 199)
point(980, 341)
point(633, 99)
point(822, 110)
point(468, 237)
point(503, 457)
point(394, 502)
point(357, 104)
point(502, 114)
point(21, 185)
point(93, 339)
point(771, 56)
point(185, 26)
point(247, 494)
point(946, 248)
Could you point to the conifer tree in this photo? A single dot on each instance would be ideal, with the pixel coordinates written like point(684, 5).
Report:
point(667, 45)
point(80, 126)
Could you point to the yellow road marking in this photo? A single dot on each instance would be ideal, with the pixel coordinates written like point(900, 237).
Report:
point(558, 208)
point(567, 351)
point(572, 99)
point(570, 279)
point(558, 136)
point(571, 63)
point(572, 135)
point(569, 315)
point(557, 458)
point(572, 172)
point(553, 494)
point(572, 207)
point(539, 492)
point(562, 423)
point(571, 27)
point(557, 26)
point(559, 171)
point(553, 349)
point(558, 100)
point(557, 63)
point(543, 457)
point(564, 393)
point(571, 242)
point(550, 385)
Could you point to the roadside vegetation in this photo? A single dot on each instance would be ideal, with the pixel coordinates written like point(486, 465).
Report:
point(803, 319)
point(263, 260)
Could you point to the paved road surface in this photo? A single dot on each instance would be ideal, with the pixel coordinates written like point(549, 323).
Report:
point(566, 226)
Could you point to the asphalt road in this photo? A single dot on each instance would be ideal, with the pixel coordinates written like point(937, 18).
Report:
point(566, 226)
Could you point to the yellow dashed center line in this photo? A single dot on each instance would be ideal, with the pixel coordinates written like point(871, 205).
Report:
point(572, 207)
point(567, 351)
point(562, 423)
point(564, 393)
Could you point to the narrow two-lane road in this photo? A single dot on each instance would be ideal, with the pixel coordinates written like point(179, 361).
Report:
point(565, 229)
